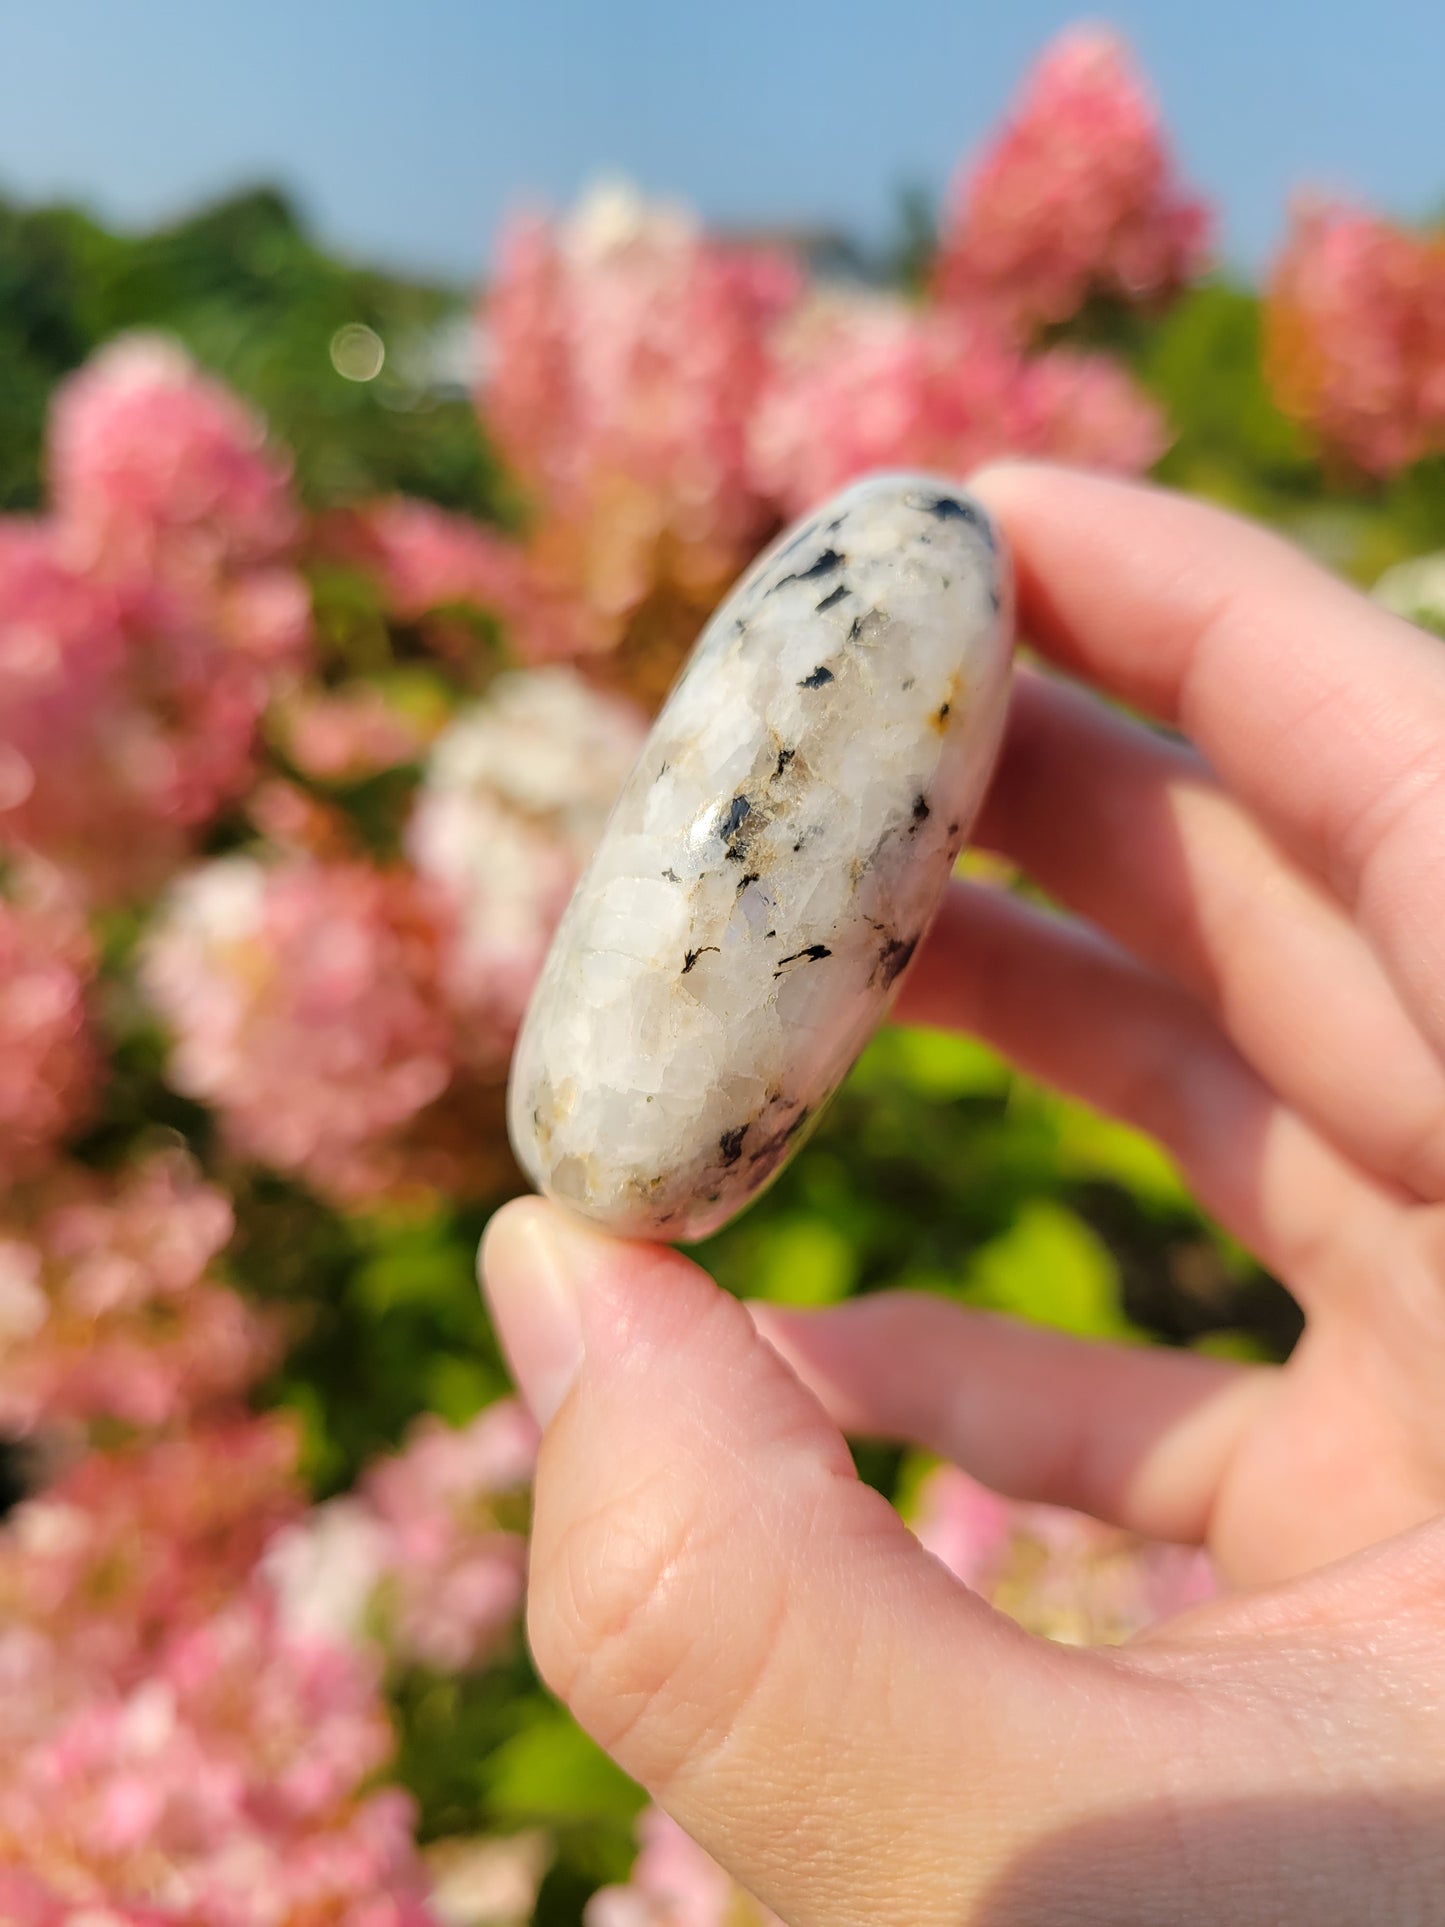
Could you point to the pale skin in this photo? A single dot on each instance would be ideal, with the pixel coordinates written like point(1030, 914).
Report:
point(1250, 965)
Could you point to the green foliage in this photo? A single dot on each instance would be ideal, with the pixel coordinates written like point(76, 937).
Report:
point(251, 295)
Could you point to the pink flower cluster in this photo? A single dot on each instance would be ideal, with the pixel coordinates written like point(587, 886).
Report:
point(169, 1750)
point(674, 1884)
point(1077, 196)
point(1355, 335)
point(49, 1063)
point(305, 1004)
point(667, 399)
point(874, 383)
point(344, 735)
point(428, 1555)
point(324, 1007)
point(1059, 1573)
point(108, 1309)
point(129, 1546)
point(145, 622)
point(226, 1787)
point(625, 352)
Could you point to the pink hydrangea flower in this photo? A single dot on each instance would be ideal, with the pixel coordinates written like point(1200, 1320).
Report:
point(1057, 1572)
point(1355, 334)
point(422, 557)
point(305, 1005)
point(48, 1061)
point(1077, 195)
point(674, 1884)
point(515, 795)
point(875, 383)
point(228, 1781)
point(428, 1556)
point(107, 1305)
point(129, 1546)
point(625, 352)
point(146, 453)
point(145, 625)
point(450, 1506)
point(488, 1880)
point(343, 735)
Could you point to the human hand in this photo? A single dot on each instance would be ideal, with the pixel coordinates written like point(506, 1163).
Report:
point(754, 1634)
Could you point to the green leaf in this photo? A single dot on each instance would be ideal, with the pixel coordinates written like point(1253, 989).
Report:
point(1050, 1268)
point(939, 1064)
point(1091, 1146)
point(805, 1261)
point(550, 1772)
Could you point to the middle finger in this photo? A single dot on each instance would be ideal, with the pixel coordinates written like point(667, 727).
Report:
point(1133, 832)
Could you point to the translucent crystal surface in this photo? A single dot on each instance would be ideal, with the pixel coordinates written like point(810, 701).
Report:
point(773, 860)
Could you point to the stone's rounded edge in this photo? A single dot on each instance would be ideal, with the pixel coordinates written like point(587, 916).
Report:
point(684, 1210)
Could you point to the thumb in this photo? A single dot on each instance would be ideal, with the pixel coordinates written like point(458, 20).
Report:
point(754, 1634)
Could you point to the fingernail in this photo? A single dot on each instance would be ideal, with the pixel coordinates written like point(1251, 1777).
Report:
point(532, 1271)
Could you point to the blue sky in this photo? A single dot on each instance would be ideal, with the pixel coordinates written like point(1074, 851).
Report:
point(406, 126)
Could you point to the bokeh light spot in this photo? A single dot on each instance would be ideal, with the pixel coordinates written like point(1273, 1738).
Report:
point(357, 352)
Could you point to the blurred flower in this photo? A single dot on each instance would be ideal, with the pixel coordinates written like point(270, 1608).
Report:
point(304, 1002)
point(1355, 334)
point(1087, 410)
point(874, 383)
point(226, 1786)
point(48, 1061)
point(144, 627)
point(107, 1308)
point(625, 354)
point(422, 557)
point(131, 1545)
point(515, 795)
point(145, 452)
point(1077, 195)
point(344, 735)
point(425, 1554)
point(674, 1884)
point(487, 1882)
point(1057, 1572)
point(454, 1570)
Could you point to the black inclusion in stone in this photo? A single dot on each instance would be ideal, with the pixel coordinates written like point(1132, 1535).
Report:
point(829, 560)
point(948, 508)
point(828, 601)
point(731, 826)
point(737, 814)
point(894, 959)
point(920, 808)
point(772, 1150)
point(819, 676)
point(743, 881)
point(692, 956)
point(730, 1144)
point(785, 756)
point(814, 953)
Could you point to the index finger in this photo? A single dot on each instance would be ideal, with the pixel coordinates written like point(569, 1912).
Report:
point(1322, 711)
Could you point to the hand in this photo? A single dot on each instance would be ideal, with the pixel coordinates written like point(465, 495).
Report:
point(754, 1634)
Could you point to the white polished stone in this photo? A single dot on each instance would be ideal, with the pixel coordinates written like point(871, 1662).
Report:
point(773, 860)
